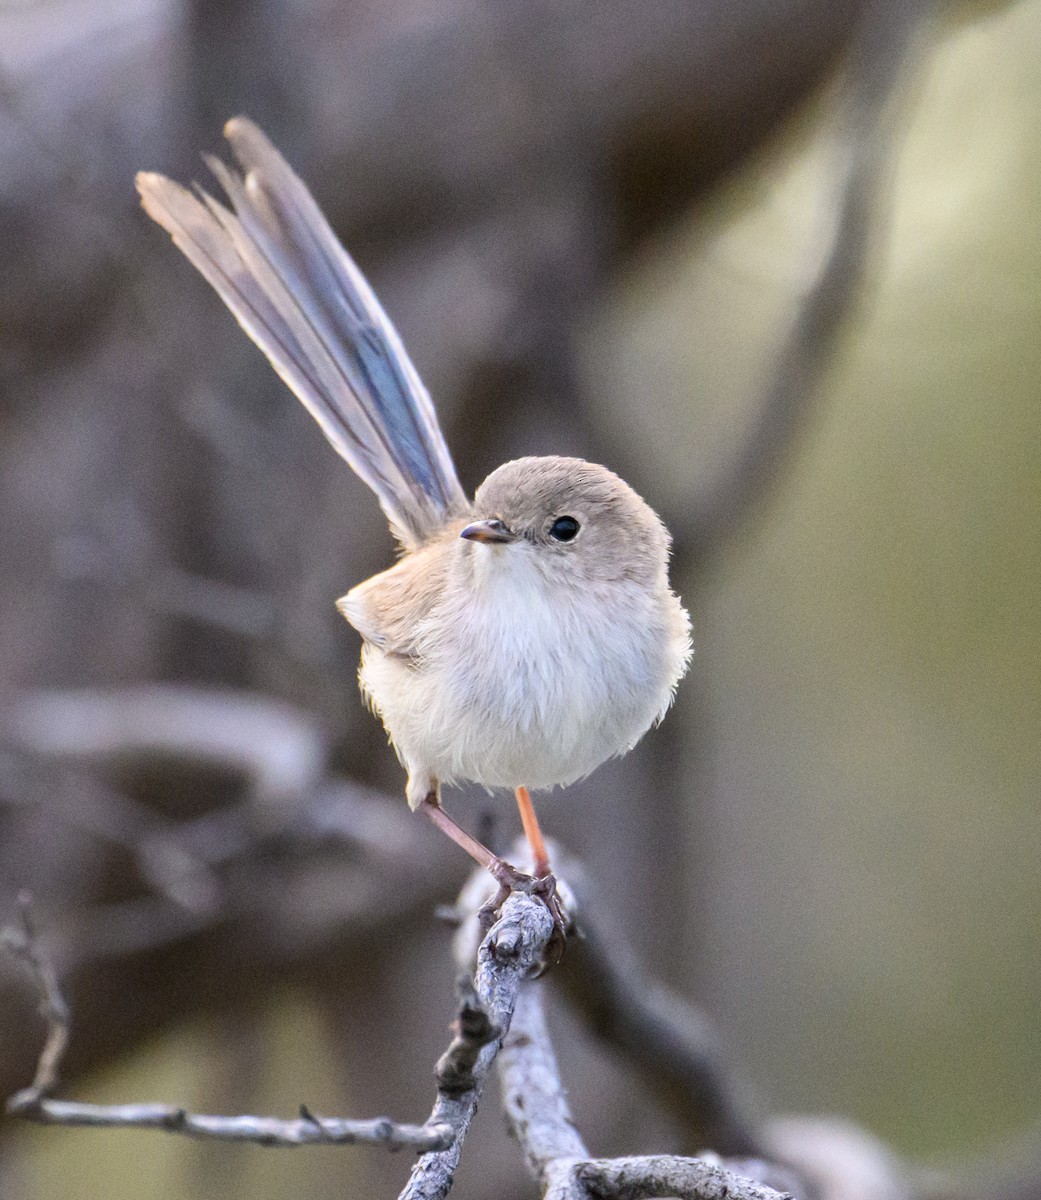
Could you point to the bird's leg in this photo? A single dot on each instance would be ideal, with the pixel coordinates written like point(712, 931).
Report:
point(509, 879)
point(479, 852)
point(505, 874)
point(545, 882)
point(532, 832)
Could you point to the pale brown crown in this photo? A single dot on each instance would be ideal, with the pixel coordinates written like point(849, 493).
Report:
point(620, 535)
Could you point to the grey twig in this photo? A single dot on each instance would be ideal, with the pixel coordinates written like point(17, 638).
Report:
point(307, 1130)
point(23, 944)
point(35, 1103)
point(513, 949)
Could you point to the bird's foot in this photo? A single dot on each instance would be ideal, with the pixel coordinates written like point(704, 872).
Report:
point(541, 887)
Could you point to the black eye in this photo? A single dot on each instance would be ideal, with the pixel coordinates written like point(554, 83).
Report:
point(564, 529)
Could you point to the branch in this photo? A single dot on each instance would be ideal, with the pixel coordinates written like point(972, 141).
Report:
point(255, 858)
point(23, 945)
point(513, 950)
point(473, 1029)
point(662, 1175)
point(533, 1097)
point(36, 1104)
point(537, 1111)
point(307, 1130)
point(1009, 1171)
point(837, 1160)
point(668, 1042)
point(879, 53)
point(278, 749)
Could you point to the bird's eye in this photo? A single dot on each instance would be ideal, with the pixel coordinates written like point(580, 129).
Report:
point(564, 529)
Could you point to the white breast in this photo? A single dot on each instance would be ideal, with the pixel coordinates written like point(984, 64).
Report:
point(515, 686)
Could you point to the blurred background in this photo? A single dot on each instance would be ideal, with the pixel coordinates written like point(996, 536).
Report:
point(774, 261)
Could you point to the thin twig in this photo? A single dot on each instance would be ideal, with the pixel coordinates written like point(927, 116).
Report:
point(23, 944)
point(307, 1130)
point(513, 949)
point(35, 1103)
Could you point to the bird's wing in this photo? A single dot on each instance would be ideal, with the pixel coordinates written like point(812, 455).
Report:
point(388, 610)
point(275, 262)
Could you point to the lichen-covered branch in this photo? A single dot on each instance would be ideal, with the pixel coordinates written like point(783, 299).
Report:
point(533, 1097)
point(512, 951)
point(536, 1108)
point(664, 1175)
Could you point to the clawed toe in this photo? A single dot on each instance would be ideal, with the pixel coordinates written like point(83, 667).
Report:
point(489, 910)
point(542, 887)
point(545, 888)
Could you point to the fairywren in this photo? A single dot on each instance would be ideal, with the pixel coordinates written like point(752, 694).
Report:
point(522, 638)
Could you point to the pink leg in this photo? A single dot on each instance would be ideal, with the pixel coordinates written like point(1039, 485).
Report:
point(532, 832)
point(507, 876)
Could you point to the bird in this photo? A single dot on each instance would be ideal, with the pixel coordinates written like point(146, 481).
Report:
point(523, 637)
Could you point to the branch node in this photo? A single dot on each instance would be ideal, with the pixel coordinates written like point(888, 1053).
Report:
point(506, 944)
point(472, 1030)
point(25, 1103)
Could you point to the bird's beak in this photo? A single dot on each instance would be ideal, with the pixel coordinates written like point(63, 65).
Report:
point(488, 531)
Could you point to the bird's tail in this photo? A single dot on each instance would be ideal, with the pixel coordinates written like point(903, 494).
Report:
point(274, 261)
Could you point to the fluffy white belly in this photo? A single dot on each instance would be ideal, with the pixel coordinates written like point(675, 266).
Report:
point(513, 690)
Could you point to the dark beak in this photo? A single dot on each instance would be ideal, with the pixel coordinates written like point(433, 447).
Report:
point(488, 531)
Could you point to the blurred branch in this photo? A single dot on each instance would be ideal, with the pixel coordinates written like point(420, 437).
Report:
point(532, 92)
point(254, 855)
point(887, 33)
point(23, 945)
point(667, 1042)
point(36, 1104)
point(836, 1159)
point(278, 749)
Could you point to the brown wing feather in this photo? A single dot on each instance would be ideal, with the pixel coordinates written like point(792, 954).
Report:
point(387, 608)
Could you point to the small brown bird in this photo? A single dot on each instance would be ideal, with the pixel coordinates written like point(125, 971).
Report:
point(522, 639)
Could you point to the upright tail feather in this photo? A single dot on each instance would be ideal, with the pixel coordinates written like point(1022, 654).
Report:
point(274, 261)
